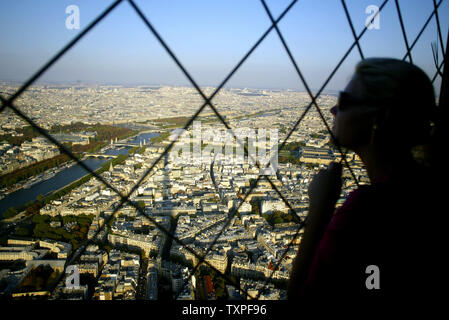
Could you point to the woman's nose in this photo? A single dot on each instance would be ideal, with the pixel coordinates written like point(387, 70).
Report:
point(334, 110)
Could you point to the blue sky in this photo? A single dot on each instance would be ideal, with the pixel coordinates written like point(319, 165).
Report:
point(209, 37)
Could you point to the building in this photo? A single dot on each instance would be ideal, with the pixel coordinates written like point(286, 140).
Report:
point(119, 278)
point(269, 206)
point(152, 281)
point(316, 155)
point(145, 243)
point(34, 249)
point(219, 260)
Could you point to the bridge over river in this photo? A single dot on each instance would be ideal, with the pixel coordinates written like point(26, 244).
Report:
point(100, 155)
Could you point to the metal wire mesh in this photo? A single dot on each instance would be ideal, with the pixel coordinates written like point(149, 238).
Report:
point(9, 103)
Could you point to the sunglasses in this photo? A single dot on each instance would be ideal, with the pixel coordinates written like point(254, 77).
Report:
point(346, 101)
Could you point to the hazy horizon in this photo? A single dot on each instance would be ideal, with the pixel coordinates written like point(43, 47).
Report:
point(133, 85)
point(209, 39)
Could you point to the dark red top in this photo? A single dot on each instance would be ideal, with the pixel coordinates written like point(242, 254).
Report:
point(379, 225)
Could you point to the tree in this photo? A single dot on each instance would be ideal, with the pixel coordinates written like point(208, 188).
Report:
point(9, 213)
point(255, 208)
point(40, 218)
point(278, 220)
point(33, 208)
point(22, 232)
point(141, 204)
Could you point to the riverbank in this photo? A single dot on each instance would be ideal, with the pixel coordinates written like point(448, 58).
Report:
point(36, 179)
point(34, 206)
point(23, 199)
point(24, 177)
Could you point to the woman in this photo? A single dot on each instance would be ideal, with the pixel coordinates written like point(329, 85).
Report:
point(379, 242)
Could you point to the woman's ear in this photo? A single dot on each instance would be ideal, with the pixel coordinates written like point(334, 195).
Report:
point(382, 119)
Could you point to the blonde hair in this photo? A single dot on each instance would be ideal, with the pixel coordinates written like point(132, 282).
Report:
point(405, 92)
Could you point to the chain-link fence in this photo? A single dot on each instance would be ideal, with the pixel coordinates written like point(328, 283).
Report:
point(125, 199)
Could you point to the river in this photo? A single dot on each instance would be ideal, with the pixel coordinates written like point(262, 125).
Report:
point(64, 177)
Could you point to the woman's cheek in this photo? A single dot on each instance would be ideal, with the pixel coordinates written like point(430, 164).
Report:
point(350, 131)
